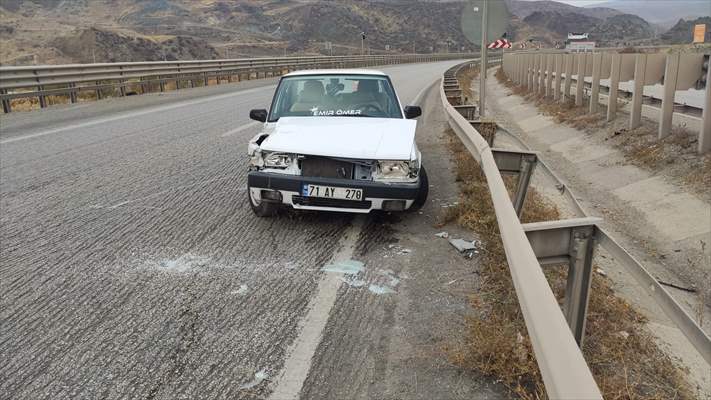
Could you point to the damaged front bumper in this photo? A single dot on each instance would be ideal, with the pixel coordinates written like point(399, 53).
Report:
point(376, 195)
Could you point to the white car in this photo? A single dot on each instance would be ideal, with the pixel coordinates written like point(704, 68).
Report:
point(336, 140)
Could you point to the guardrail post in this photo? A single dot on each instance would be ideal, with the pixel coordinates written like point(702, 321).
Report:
point(580, 81)
point(640, 66)
point(536, 70)
point(528, 164)
point(122, 83)
point(529, 71)
point(549, 74)
point(575, 307)
point(666, 113)
point(705, 134)
point(569, 60)
point(6, 107)
point(72, 92)
point(569, 241)
point(595, 87)
point(614, 86)
point(542, 75)
point(558, 71)
point(520, 163)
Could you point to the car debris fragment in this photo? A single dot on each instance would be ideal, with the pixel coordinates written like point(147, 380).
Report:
point(466, 247)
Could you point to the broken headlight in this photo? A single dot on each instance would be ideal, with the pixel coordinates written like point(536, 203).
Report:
point(277, 160)
point(392, 170)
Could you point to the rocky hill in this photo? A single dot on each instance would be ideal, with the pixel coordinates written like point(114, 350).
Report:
point(683, 31)
point(56, 31)
point(621, 30)
point(562, 23)
point(96, 45)
point(524, 8)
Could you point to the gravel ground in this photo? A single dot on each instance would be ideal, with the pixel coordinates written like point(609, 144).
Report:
point(132, 267)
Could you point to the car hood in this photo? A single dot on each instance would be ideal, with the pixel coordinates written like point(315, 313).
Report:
point(347, 137)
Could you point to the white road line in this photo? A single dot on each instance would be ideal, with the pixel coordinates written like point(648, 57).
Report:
point(241, 128)
point(298, 363)
point(134, 114)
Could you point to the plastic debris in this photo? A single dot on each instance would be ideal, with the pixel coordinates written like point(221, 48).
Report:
point(468, 248)
point(377, 289)
point(241, 291)
point(601, 271)
point(346, 267)
point(352, 282)
point(463, 245)
point(624, 335)
point(405, 251)
point(443, 235)
point(259, 377)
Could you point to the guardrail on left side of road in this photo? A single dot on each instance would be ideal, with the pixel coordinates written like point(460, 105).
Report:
point(68, 80)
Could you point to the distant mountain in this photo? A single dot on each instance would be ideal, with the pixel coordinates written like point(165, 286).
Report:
point(524, 8)
point(683, 31)
point(561, 23)
point(622, 30)
point(661, 12)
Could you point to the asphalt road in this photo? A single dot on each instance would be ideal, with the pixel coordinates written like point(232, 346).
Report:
point(132, 267)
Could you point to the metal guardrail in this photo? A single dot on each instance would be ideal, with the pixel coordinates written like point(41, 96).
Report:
point(69, 80)
point(674, 311)
point(544, 72)
point(563, 368)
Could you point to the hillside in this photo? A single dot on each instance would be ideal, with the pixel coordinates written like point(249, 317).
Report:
point(683, 31)
point(660, 12)
point(523, 9)
point(56, 31)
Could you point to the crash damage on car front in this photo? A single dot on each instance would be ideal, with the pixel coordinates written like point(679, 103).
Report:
point(336, 152)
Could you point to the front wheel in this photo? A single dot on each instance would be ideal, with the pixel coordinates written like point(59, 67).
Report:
point(421, 198)
point(259, 207)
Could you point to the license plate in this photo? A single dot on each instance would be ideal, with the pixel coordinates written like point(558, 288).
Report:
point(332, 192)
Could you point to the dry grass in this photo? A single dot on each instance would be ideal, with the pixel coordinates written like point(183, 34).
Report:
point(621, 353)
point(466, 76)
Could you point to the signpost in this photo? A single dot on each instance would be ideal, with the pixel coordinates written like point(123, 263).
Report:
point(483, 64)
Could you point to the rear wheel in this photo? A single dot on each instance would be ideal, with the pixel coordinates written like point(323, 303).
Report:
point(421, 198)
point(261, 208)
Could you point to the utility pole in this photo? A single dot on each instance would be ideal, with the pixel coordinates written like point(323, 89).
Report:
point(482, 68)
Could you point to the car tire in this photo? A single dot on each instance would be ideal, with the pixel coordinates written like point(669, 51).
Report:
point(261, 208)
point(422, 193)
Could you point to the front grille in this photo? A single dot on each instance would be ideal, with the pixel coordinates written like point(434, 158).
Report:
point(335, 203)
point(323, 167)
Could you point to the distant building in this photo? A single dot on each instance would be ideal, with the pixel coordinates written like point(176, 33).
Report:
point(579, 41)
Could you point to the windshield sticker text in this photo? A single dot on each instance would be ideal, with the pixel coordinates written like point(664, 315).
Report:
point(329, 113)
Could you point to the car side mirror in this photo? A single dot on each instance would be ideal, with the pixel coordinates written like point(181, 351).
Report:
point(412, 112)
point(258, 115)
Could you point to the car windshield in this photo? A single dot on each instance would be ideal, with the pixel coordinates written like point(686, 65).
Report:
point(335, 96)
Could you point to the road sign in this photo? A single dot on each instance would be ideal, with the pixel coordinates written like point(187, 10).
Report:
point(499, 44)
point(699, 33)
point(471, 23)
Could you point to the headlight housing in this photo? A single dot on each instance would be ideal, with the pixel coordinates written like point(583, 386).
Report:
point(277, 160)
point(392, 170)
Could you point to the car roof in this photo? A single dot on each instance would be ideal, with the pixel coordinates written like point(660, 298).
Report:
point(336, 72)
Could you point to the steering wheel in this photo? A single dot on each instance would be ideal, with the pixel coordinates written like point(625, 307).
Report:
point(368, 106)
